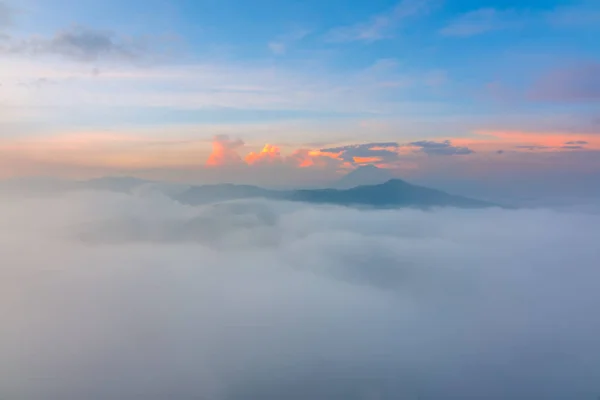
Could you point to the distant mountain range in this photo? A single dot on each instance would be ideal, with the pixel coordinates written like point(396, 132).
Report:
point(391, 194)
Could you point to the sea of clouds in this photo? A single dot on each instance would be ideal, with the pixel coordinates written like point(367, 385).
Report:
point(110, 296)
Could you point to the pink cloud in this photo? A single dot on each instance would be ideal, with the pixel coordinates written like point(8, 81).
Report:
point(224, 151)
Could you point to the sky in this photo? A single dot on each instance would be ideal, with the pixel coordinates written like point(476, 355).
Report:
point(300, 92)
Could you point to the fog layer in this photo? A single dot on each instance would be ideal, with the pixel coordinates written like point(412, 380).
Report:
point(109, 296)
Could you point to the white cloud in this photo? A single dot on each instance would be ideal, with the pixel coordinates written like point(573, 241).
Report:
point(277, 48)
point(282, 43)
point(482, 21)
point(380, 26)
point(78, 43)
point(110, 296)
point(84, 44)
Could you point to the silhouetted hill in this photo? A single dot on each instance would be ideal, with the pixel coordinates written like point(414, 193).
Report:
point(393, 193)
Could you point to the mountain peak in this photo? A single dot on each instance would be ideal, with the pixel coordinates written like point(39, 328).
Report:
point(363, 176)
point(366, 167)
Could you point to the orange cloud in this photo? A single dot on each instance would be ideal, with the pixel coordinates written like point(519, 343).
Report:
point(367, 160)
point(305, 158)
point(329, 154)
point(384, 148)
point(302, 158)
point(224, 151)
point(269, 154)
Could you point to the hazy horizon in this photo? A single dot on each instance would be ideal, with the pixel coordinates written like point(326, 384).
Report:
point(556, 192)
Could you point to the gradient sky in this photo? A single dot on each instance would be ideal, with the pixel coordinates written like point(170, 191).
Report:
point(193, 90)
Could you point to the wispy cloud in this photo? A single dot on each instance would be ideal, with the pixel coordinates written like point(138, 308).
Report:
point(532, 148)
point(76, 43)
point(239, 86)
point(481, 21)
point(566, 146)
point(575, 145)
point(281, 44)
point(577, 142)
point(544, 141)
point(380, 26)
point(277, 47)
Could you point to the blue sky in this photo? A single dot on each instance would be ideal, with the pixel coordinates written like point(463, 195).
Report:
point(294, 73)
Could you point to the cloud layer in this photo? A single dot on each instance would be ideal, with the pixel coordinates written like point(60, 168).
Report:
point(384, 154)
point(140, 297)
point(76, 43)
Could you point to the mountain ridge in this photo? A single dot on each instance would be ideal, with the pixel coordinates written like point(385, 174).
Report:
point(394, 193)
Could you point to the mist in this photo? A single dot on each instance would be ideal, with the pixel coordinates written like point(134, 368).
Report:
point(117, 296)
